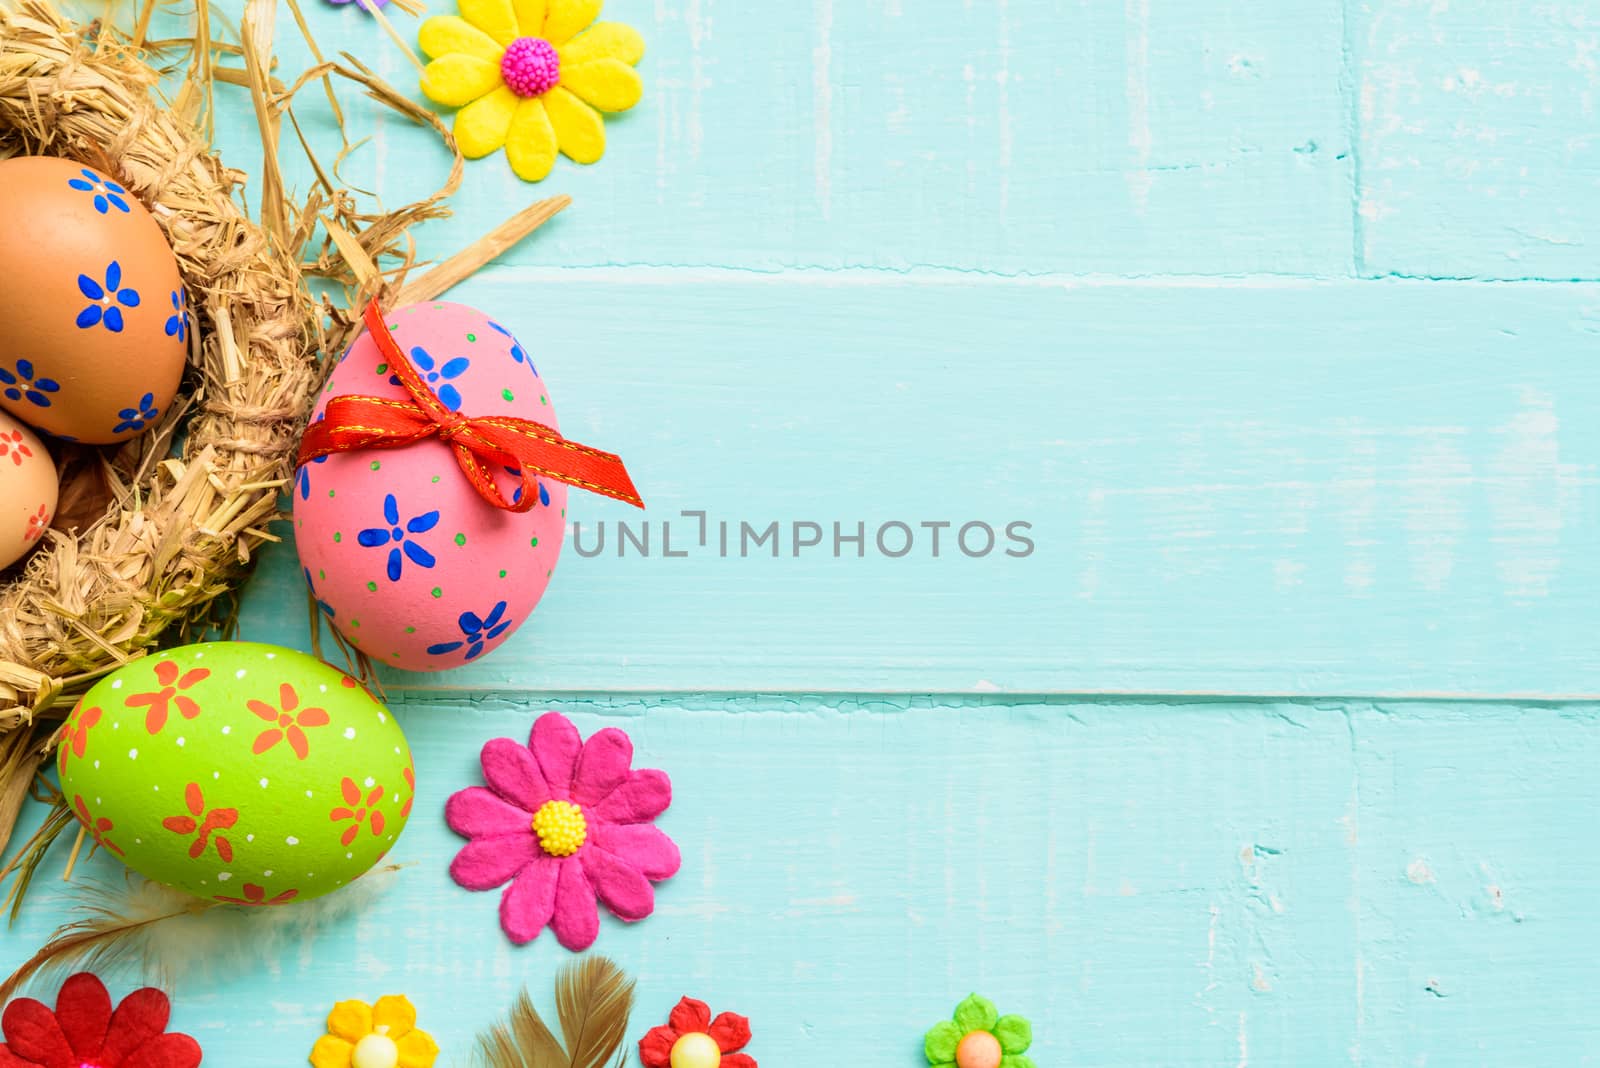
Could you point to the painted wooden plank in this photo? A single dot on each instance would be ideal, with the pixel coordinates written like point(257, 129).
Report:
point(1304, 489)
point(1154, 883)
point(1160, 136)
point(1478, 150)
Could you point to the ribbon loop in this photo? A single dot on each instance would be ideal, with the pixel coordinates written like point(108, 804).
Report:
point(482, 445)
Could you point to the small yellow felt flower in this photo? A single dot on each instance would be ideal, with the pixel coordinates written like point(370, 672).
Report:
point(531, 76)
point(382, 1035)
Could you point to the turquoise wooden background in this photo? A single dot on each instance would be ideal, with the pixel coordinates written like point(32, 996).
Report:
point(1277, 322)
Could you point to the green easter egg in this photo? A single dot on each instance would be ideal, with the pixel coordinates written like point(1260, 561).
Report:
point(240, 772)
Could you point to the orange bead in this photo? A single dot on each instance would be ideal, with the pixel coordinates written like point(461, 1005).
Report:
point(979, 1049)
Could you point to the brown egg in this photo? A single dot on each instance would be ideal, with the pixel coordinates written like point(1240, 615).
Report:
point(93, 339)
point(27, 490)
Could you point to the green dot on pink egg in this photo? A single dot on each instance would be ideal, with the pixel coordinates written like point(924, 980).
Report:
point(461, 539)
point(437, 592)
point(507, 394)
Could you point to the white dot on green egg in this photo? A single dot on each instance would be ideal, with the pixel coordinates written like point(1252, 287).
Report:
point(349, 856)
point(321, 688)
point(138, 841)
point(249, 838)
point(349, 732)
point(180, 739)
point(199, 656)
point(292, 840)
point(116, 684)
point(133, 754)
point(308, 793)
point(157, 789)
point(97, 801)
point(97, 765)
point(263, 784)
point(369, 780)
point(382, 718)
point(216, 774)
point(227, 730)
point(266, 874)
point(272, 656)
point(117, 725)
point(239, 674)
point(224, 876)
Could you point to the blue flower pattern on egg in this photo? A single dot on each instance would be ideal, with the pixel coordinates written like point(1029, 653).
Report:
point(21, 383)
point(178, 321)
point(102, 309)
point(516, 494)
point(140, 417)
point(433, 374)
point(107, 194)
point(392, 534)
point(475, 632)
point(327, 609)
point(304, 477)
point(518, 353)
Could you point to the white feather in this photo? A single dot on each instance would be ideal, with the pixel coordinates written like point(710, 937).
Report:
point(166, 937)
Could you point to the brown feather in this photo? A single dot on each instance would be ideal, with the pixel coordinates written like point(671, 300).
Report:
point(594, 998)
point(522, 1041)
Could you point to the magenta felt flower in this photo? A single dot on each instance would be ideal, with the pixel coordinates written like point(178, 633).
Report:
point(565, 822)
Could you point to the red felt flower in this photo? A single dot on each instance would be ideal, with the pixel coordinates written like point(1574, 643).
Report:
point(730, 1031)
point(84, 1031)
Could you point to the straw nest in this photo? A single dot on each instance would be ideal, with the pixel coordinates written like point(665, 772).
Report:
point(159, 532)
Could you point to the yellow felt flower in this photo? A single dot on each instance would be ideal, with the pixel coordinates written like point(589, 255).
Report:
point(531, 76)
point(381, 1035)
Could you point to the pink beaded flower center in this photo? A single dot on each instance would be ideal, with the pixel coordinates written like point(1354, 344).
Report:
point(530, 66)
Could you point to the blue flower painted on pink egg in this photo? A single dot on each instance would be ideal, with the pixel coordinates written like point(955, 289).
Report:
point(475, 632)
point(434, 375)
point(399, 539)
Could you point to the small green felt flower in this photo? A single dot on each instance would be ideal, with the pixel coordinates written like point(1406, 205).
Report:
point(977, 1036)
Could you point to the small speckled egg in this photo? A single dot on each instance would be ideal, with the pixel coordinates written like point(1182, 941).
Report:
point(239, 772)
point(93, 340)
point(404, 557)
point(27, 490)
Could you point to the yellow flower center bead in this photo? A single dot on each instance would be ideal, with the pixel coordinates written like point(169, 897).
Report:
point(696, 1050)
point(561, 828)
point(375, 1051)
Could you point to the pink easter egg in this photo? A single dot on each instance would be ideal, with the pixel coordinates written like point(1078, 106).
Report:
point(402, 554)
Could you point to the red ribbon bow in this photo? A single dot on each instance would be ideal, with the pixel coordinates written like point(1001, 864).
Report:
point(360, 422)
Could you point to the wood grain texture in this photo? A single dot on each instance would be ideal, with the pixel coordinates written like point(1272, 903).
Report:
point(1117, 270)
point(1023, 137)
point(1153, 883)
point(1264, 489)
point(1478, 155)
